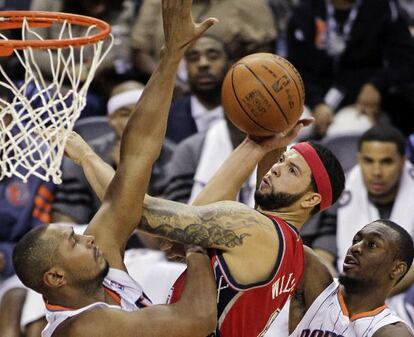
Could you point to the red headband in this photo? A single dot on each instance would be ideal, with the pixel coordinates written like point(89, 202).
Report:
point(319, 173)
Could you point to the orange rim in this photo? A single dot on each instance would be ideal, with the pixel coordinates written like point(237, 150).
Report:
point(14, 19)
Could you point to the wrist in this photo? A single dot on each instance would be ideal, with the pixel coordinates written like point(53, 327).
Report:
point(87, 157)
point(169, 55)
point(253, 148)
point(194, 249)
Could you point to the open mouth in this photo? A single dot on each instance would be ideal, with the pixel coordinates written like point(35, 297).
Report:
point(350, 262)
point(266, 181)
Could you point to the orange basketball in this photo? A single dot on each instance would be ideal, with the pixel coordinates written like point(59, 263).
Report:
point(263, 94)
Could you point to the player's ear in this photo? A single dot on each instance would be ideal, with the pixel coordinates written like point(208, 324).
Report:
point(310, 200)
point(398, 270)
point(54, 277)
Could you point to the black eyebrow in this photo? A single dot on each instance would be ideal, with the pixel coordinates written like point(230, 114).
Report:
point(379, 236)
point(295, 166)
point(376, 235)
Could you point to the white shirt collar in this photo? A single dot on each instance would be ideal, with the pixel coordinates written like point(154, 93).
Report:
point(204, 117)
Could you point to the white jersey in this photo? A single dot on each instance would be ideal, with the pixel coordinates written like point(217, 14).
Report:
point(328, 316)
point(118, 284)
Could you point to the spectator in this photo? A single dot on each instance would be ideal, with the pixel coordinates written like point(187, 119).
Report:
point(282, 10)
point(381, 185)
point(350, 120)
point(75, 202)
point(245, 26)
point(197, 159)
point(207, 63)
point(352, 52)
point(23, 206)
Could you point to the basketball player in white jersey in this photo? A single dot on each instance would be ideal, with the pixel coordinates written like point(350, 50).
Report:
point(83, 278)
point(354, 306)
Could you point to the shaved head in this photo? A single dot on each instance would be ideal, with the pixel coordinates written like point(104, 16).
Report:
point(33, 255)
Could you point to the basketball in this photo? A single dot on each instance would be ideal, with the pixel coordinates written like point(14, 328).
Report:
point(263, 94)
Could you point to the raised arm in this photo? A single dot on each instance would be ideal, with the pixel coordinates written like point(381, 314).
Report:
point(143, 137)
point(227, 182)
point(97, 172)
point(314, 281)
point(194, 315)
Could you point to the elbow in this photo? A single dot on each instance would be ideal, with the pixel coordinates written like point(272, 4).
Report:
point(199, 321)
point(211, 323)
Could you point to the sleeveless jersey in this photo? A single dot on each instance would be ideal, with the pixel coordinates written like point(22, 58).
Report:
point(248, 310)
point(118, 284)
point(328, 316)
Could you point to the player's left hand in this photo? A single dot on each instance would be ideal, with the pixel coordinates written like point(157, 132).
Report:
point(174, 251)
point(76, 148)
point(179, 27)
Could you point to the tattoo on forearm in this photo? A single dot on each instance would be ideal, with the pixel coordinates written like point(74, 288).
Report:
point(197, 233)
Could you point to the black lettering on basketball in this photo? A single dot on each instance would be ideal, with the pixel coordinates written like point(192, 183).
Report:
point(281, 83)
point(290, 98)
point(270, 71)
point(256, 103)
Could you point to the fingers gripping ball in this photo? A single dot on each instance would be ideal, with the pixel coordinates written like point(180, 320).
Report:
point(263, 94)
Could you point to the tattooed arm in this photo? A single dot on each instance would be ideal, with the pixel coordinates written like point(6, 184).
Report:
point(247, 238)
point(223, 225)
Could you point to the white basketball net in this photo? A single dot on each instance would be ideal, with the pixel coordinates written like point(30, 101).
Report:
point(38, 115)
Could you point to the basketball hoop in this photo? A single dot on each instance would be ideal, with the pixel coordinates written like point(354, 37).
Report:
point(38, 114)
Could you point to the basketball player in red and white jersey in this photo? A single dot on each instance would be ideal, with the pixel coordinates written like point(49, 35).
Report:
point(257, 255)
point(354, 306)
point(83, 278)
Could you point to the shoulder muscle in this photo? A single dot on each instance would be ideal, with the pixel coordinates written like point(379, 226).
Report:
point(399, 329)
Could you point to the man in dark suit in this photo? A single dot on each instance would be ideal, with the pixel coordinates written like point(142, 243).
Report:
point(207, 63)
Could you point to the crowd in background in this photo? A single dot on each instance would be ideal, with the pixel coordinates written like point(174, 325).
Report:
point(357, 62)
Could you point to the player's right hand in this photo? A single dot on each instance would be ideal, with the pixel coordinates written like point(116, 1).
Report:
point(76, 148)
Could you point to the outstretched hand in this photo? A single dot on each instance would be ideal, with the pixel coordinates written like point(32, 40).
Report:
point(179, 27)
point(281, 139)
point(76, 148)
